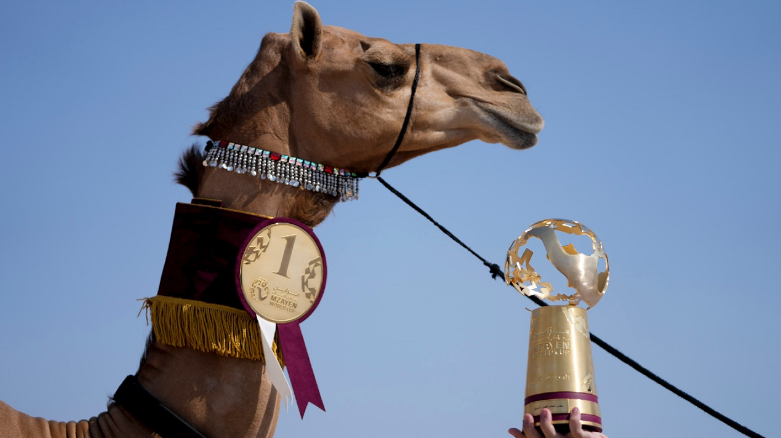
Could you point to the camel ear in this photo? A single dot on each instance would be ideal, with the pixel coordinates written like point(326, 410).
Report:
point(307, 31)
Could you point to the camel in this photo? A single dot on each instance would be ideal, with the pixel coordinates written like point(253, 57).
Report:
point(328, 95)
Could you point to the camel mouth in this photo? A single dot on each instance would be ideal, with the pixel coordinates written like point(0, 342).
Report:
point(522, 140)
point(514, 131)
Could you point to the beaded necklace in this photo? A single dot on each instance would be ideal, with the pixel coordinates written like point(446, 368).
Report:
point(282, 169)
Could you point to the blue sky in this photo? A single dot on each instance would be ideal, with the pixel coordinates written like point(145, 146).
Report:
point(661, 136)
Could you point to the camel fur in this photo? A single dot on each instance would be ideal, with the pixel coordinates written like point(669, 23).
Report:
point(329, 95)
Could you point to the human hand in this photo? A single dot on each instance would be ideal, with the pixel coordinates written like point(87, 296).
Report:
point(548, 431)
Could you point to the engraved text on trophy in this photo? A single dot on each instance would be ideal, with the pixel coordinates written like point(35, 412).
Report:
point(550, 343)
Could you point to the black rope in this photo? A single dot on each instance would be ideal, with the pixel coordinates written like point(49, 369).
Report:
point(644, 371)
point(407, 117)
point(496, 271)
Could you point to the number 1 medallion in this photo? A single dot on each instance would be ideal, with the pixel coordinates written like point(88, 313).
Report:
point(282, 272)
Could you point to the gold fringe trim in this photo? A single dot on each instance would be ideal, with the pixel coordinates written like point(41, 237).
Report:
point(210, 328)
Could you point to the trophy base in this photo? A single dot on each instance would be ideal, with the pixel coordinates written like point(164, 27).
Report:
point(560, 372)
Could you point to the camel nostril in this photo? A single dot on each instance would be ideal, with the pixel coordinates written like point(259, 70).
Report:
point(512, 83)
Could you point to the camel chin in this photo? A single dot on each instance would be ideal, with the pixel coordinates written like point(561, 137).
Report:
point(514, 131)
point(519, 140)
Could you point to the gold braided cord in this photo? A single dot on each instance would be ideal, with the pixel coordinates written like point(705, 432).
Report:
point(206, 327)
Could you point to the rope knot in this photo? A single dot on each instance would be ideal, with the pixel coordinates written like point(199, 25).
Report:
point(496, 271)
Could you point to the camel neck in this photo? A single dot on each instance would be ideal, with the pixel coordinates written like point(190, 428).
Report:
point(250, 194)
point(114, 423)
point(244, 193)
point(219, 396)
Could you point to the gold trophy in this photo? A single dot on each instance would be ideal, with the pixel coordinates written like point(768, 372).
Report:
point(560, 372)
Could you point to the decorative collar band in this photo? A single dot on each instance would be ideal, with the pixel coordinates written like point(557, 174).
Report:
point(282, 169)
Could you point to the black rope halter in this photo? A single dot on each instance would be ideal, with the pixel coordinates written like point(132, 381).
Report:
point(404, 125)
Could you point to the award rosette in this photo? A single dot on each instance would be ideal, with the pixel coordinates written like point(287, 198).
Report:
point(280, 278)
point(560, 371)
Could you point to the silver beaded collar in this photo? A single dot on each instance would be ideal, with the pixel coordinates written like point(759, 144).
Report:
point(282, 169)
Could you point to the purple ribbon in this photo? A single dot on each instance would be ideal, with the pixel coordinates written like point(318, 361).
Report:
point(299, 368)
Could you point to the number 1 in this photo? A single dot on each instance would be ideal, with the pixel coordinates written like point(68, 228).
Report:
point(290, 240)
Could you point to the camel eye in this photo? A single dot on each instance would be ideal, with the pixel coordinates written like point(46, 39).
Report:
point(388, 71)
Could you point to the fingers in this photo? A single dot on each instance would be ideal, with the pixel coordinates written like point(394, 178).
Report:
point(528, 427)
point(575, 428)
point(549, 431)
point(546, 424)
point(516, 433)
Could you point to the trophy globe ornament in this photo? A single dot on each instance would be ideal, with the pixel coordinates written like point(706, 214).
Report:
point(560, 371)
point(580, 270)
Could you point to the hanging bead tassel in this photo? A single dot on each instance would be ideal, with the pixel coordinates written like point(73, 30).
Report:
point(282, 169)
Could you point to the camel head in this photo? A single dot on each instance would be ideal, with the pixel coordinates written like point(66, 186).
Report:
point(333, 96)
